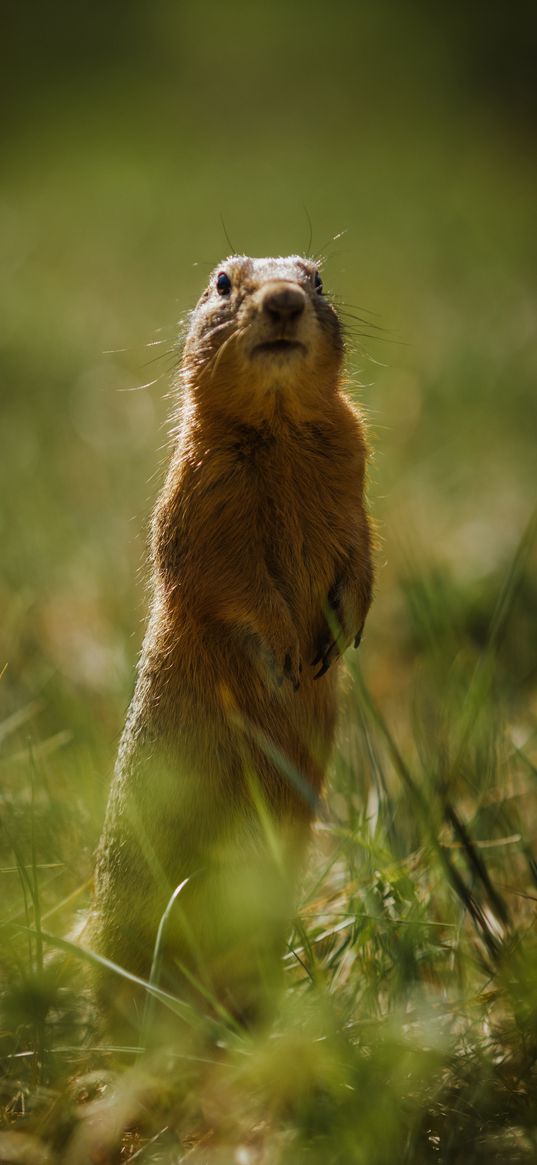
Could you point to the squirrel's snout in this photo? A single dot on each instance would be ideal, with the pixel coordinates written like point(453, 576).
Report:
point(283, 302)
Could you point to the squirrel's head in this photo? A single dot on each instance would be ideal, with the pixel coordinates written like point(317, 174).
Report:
point(264, 338)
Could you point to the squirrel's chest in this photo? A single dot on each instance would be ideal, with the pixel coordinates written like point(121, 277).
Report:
point(304, 508)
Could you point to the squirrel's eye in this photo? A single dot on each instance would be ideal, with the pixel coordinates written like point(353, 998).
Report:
point(223, 284)
point(318, 283)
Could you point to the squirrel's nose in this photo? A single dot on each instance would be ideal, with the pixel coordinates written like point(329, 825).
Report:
point(283, 302)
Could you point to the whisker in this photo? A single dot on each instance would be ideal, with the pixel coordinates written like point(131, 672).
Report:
point(379, 338)
point(361, 320)
point(140, 387)
point(227, 238)
point(321, 256)
point(217, 328)
point(175, 352)
point(344, 303)
point(357, 332)
point(310, 240)
point(234, 335)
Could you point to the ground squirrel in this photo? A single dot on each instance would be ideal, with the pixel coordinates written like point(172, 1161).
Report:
point(261, 575)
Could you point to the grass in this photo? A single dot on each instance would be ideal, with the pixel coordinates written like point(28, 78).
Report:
point(407, 1030)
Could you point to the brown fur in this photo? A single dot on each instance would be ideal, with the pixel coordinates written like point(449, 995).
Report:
point(261, 564)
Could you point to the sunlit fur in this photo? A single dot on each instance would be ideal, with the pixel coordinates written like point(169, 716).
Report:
point(261, 563)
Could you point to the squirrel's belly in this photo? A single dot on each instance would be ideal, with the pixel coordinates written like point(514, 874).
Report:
point(219, 680)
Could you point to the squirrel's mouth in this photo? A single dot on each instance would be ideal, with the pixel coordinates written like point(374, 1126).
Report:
point(279, 347)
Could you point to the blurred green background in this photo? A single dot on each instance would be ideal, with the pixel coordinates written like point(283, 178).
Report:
point(130, 131)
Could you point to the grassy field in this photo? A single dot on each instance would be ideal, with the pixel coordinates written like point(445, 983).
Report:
point(408, 1028)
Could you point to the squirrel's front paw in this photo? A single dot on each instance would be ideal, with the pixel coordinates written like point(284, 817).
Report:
point(330, 644)
point(286, 664)
point(327, 651)
point(336, 634)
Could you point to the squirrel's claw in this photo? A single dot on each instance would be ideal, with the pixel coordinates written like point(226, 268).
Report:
point(323, 670)
point(329, 651)
point(323, 648)
point(326, 657)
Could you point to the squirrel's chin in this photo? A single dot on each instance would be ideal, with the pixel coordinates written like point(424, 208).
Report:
point(278, 350)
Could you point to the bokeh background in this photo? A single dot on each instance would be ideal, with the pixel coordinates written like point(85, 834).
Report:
point(398, 140)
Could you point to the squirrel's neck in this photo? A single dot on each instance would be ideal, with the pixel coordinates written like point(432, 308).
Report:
point(272, 411)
